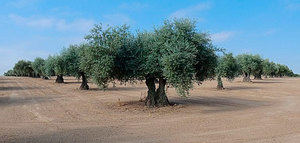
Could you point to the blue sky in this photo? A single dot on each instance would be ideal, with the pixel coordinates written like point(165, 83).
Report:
point(32, 28)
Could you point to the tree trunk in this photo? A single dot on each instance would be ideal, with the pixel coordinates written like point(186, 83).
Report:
point(220, 83)
point(59, 79)
point(161, 98)
point(45, 77)
point(257, 77)
point(246, 77)
point(84, 85)
point(150, 99)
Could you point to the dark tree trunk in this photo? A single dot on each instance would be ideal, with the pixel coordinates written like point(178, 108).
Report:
point(84, 85)
point(45, 77)
point(161, 97)
point(257, 77)
point(246, 77)
point(150, 99)
point(59, 79)
point(156, 97)
point(220, 83)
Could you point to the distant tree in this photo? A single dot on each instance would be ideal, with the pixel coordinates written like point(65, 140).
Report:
point(10, 73)
point(73, 57)
point(56, 65)
point(38, 67)
point(283, 70)
point(60, 68)
point(49, 67)
point(227, 68)
point(250, 65)
point(23, 68)
point(257, 67)
point(269, 68)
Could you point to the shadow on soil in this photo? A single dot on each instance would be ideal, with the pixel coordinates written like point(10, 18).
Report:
point(126, 88)
point(266, 82)
point(10, 88)
point(96, 134)
point(240, 88)
point(21, 100)
point(205, 104)
point(220, 104)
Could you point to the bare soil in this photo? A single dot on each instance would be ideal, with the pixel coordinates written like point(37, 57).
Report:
point(36, 110)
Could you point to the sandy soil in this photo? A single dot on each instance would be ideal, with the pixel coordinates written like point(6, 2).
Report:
point(37, 110)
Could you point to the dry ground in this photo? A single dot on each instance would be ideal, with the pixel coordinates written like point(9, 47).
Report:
point(36, 110)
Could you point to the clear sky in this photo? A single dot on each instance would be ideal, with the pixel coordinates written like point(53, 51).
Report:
point(32, 28)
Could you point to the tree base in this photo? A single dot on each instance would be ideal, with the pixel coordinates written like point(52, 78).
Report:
point(220, 87)
point(84, 86)
point(247, 79)
point(59, 79)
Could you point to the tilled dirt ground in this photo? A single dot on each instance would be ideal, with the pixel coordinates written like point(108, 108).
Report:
point(36, 110)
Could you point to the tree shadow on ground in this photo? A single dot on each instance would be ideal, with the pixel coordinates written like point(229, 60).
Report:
point(22, 100)
point(266, 82)
point(95, 134)
point(126, 88)
point(220, 104)
point(205, 104)
point(240, 87)
point(11, 88)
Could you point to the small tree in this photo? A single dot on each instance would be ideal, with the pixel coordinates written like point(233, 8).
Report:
point(73, 56)
point(227, 68)
point(38, 67)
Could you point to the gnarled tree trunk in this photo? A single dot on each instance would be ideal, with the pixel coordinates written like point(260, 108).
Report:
point(220, 83)
point(84, 85)
point(156, 97)
point(161, 97)
point(150, 100)
point(246, 77)
point(257, 77)
point(59, 79)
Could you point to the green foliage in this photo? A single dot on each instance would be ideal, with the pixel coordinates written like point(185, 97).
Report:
point(38, 66)
point(250, 64)
point(49, 66)
point(23, 68)
point(10, 73)
point(269, 68)
point(283, 70)
point(227, 67)
point(110, 55)
point(72, 60)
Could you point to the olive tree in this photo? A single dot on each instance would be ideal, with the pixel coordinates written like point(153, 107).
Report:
point(73, 57)
point(110, 55)
point(56, 65)
point(38, 67)
point(250, 65)
point(257, 67)
point(10, 73)
point(177, 54)
point(23, 68)
point(227, 68)
point(269, 68)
